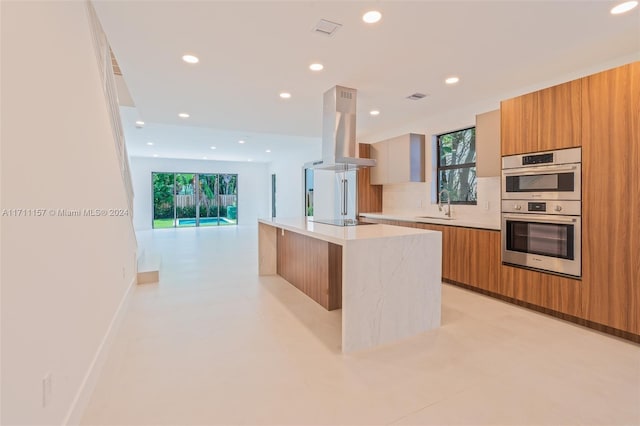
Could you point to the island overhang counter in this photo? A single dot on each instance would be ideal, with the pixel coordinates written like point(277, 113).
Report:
point(386, 279)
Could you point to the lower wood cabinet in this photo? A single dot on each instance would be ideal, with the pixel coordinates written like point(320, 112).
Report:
point(471, 256)
point(549, 291)
point(313, 266)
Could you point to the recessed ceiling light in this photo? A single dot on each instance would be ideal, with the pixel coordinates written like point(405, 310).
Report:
point(268, 150)
point(452, 80)
point(190, 59)
point(316, 67)
point(623, 7)
point(249, 159)
point(150, 143)
point(213, 147)
point(374, 112)
point(183, 115)
point(155, 155)
point(285, 95)
point(204, 158)
point(372, 17)
point(139, 123)
point(240, 141)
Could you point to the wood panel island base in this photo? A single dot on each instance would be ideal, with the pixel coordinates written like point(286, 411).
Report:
point(385, 278)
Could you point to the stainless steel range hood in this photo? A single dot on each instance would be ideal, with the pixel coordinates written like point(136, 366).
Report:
point(339, 148)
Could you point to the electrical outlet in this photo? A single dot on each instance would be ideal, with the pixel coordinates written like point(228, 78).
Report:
point(47, 390)
point(486, 205)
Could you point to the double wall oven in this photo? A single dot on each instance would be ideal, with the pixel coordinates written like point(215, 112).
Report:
point(541, 211)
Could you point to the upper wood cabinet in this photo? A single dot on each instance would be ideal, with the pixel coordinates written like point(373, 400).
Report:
point(611, 197)
point(519, 124)
point(399, 160)
point(542, 121)
point(488, 144)
point(559, 116)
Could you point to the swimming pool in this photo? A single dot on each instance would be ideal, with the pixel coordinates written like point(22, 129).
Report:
point(206, 221)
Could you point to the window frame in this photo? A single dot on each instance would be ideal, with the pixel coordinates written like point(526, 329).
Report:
point(440, 168)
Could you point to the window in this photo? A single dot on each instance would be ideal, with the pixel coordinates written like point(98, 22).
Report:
point(194, 199)
point(457, 166)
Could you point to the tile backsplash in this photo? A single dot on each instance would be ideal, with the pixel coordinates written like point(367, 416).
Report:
point(415, 199)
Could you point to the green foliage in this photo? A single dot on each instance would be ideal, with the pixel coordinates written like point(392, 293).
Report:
point(458, 149)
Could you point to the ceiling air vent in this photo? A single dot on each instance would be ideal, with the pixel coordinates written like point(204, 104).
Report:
point(327, 28)
point(416, 96)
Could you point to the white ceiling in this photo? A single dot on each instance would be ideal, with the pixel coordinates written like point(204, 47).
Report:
point(251, 51)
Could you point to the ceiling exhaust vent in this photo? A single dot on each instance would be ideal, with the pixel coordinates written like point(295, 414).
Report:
point(416, 96)
point(327, 28)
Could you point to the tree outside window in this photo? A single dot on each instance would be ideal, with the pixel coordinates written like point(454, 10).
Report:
point(457, 166)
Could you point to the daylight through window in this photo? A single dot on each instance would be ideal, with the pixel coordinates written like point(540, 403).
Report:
point(457, 166)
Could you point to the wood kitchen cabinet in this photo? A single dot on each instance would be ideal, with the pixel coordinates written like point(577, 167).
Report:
point(541, 121)
point(611, 197)
point(549, 291)
point(369, 196)
point(469, 256)
point(399, 160)
point(518, 125)
point(313, 266)
point(559, 116)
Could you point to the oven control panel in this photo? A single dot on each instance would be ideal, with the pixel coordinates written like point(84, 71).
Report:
point(569, 208)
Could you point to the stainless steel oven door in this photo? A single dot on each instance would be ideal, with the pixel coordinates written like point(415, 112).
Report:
point(546, 242)
point(558, 182)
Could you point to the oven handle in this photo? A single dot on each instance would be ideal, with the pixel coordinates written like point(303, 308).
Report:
point(538, 218)
point(538, 170)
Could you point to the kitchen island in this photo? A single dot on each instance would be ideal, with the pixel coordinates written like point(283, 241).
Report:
point(385, 278)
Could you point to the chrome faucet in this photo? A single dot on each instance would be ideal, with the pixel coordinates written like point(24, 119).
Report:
point(448, 212)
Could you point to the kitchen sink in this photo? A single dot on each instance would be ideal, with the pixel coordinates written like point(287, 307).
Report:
point(435, 217)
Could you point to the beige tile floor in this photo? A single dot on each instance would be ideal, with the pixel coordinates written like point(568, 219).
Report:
point(213, 343)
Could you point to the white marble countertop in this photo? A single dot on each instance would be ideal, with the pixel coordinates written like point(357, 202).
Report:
point(449, 222)
point(340, 234)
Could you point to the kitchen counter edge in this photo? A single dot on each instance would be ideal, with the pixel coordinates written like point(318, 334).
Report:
point(341, 234)
point(434, 221)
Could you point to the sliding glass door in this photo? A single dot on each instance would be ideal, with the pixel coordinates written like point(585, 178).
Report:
point(194, 199)
point(208, 200)
point(163, 200)
point(185, 199)
point(228, 198)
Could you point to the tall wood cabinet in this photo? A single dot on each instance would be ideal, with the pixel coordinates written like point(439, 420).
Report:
point(369, 196)
point(541, 121)
point(611, 197)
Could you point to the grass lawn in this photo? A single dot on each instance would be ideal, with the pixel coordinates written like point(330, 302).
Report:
point(162, 223)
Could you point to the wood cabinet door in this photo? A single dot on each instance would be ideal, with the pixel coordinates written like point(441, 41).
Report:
point(546, 290)
point(488, 260)
point(519, 124)
point(611, 197)
point(559, 116)
point(369, 196)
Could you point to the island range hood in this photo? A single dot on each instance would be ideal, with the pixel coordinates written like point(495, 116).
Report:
point(339, 148)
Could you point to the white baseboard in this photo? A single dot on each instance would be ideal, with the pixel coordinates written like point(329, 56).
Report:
point(81, 400)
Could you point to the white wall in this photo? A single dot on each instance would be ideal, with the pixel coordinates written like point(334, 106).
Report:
point(254, 185)
point(63, 278)
point(289, 172)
